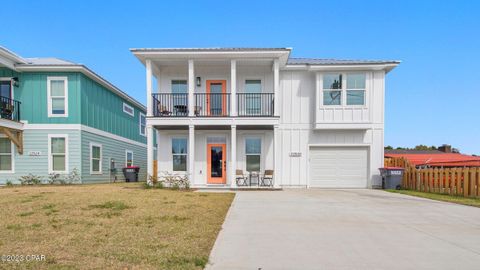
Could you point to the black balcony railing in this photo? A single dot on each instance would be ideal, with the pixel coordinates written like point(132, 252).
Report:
point(212, 104)
point(255, 104)
point(170, 104)
point(9, 109)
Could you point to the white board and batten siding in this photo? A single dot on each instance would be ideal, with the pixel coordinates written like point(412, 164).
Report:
point(309, 132)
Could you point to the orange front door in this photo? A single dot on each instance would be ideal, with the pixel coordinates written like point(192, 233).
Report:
point(216, 97)
point(216, 164)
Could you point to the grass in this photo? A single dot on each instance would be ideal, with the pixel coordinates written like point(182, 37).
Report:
point(440, 197)
point(111, 226)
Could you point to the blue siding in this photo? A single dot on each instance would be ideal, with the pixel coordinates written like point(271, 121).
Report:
point(111, 149)
point(37, 140)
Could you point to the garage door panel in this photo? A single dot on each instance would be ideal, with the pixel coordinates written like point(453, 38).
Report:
point(338, 167)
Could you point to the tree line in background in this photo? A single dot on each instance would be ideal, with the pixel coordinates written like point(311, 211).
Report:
point(418, 147)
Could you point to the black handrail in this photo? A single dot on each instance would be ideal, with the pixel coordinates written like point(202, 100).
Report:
point(212, 104)
point(170, 104)
point(10, 109)
point(255, 104)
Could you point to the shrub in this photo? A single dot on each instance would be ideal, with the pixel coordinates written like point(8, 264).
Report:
point(175, 181)
point(73, 177)
point(54, 178)
point(9, 183)
point(30, 179)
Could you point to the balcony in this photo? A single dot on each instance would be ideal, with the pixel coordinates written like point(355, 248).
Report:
point(213, 105)
point(9, 109)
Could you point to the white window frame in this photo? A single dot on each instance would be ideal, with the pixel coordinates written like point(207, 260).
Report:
point(92, 144)
point(50, 160)
point(12, 154)
point(126, 157)
point(49, 95)
point(130, 107)
point(261, 150)
point(140, 115)
point(186, 154)
point(343, 90)
point(356, 89)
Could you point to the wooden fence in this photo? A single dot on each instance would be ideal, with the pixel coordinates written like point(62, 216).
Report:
point(460, 181)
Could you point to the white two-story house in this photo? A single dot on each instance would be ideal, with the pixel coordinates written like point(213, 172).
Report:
point(229, 117)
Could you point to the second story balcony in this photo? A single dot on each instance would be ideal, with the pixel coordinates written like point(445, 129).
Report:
point(214, 105)
point(9, 109)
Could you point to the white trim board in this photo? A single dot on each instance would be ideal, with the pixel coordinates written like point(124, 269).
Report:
point(82, 128)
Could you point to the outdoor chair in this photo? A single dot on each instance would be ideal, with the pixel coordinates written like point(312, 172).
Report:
point(163, 111)
point(267, 179)
point(241, 178)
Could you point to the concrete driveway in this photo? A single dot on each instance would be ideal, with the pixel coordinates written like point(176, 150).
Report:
point(346, 229)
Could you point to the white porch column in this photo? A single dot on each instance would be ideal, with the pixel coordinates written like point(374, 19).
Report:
point(233, 86)
point(191, 153)
point(276, 86)
point(150, 171)
point(148, 65)
point(158, 150)
point(276, 157)
point(191, 87)
point(233, 156)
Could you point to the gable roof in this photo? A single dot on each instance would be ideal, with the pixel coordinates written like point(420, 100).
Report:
point(20, 64)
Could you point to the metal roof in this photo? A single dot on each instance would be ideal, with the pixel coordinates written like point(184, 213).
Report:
point(48, 61)
point(213, 49)
point(322, 61)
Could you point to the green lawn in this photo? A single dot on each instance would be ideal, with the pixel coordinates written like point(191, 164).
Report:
point(440, 197)
point(109, 226)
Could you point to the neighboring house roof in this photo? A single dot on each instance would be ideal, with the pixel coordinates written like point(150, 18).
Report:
point(411, 151)
point(438, 159)
point(59, 65)
point(48, 61)
point(320, 61)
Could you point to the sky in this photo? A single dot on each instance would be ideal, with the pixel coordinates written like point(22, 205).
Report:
point(432, 97)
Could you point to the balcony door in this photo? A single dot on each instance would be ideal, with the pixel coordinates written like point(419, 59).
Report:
point(216, 164)
point(216, 97)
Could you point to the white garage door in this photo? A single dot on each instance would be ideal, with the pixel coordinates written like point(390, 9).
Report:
point(338, 167)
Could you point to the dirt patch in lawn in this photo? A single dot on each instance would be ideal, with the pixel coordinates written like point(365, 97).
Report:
point(109, 226)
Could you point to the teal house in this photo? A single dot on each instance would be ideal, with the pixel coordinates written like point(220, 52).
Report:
point(58, 116)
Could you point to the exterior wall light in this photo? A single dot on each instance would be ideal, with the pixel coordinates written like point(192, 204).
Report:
point(199, 81)
point(15, 82)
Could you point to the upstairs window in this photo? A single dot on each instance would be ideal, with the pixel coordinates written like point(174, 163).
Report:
point(344, 89)
point(128, 109)
point(142, 124)
point(179, 154)
point(355, 89)
point(179, 87)
point(57, 91)
point(332, 89)
point(253, 99)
